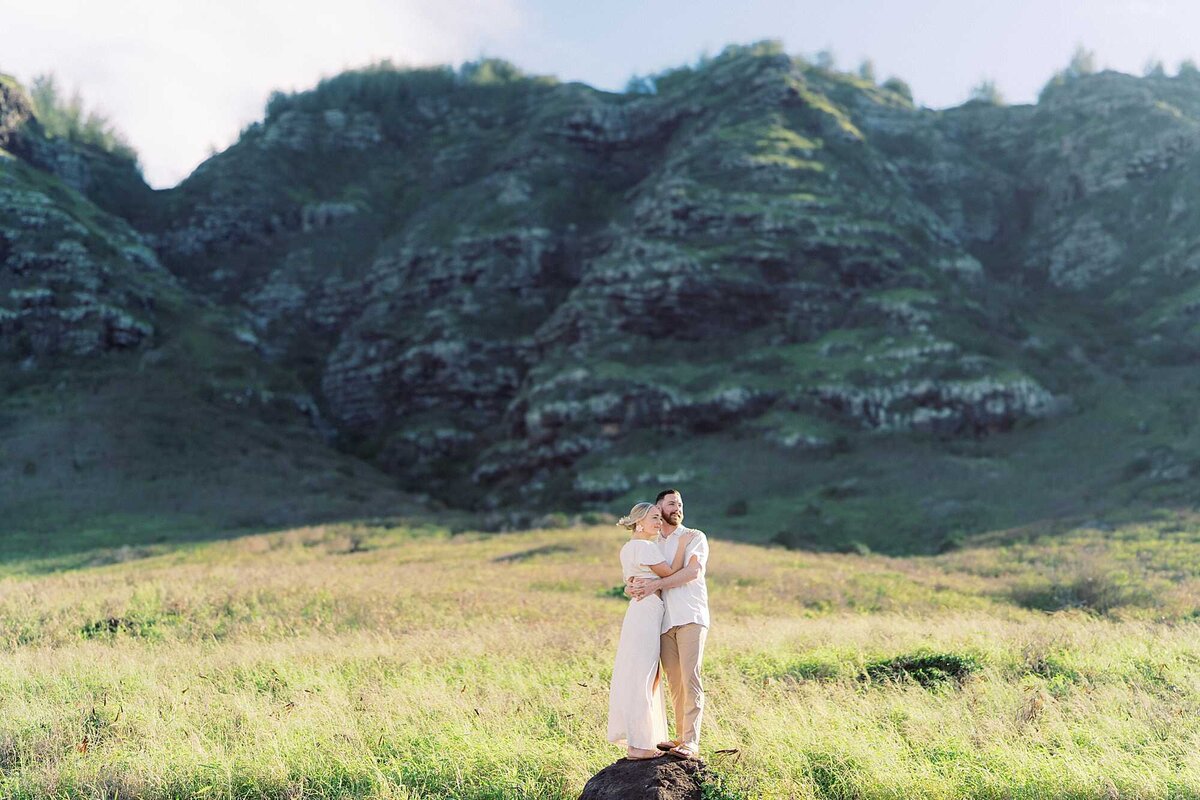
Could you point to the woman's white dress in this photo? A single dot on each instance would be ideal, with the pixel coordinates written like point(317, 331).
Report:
point(637, 713)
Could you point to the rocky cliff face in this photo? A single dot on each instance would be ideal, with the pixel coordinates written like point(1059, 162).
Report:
point(540, 271)
point(503, 289)
point(73, 279)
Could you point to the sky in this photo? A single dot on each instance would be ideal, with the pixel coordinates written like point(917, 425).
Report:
point(181, 78)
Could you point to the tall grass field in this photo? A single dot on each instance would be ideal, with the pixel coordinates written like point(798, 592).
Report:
point(392, 658)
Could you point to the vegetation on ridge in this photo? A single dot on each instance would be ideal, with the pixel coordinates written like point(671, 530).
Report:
point(68, 118)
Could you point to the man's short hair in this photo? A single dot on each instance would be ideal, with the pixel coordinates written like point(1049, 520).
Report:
point(666, 492)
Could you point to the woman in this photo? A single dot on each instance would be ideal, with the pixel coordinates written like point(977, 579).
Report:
point(637, 716)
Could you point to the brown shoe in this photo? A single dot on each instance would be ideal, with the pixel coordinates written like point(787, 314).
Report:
point(686, 751)
point(665, 746)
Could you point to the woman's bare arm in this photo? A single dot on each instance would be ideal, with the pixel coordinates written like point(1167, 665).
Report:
point(663, 569)
point(689, 573)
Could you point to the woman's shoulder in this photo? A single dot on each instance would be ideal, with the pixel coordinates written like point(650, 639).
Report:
point(633, 545)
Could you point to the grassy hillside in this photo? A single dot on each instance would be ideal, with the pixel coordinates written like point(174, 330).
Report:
point(193, 438)
point(1125, 445)
point(396, 659)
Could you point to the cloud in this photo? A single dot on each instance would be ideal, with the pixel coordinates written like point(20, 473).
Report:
point(180, 78)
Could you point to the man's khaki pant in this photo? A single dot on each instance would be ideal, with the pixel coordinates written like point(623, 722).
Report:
point(682, 651)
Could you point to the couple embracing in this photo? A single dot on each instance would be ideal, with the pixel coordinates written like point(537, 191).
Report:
point(664, 632)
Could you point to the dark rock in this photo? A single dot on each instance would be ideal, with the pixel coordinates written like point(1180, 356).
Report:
point(666, 778)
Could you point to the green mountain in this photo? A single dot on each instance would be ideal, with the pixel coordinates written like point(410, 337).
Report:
point(132, 408)
point(833, 318)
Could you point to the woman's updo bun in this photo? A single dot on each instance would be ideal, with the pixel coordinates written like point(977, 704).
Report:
point(635, 515)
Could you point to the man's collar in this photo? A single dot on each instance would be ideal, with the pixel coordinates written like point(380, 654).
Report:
point(680, 528)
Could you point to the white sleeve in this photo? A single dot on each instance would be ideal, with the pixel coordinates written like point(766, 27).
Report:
point(699, 547)
point(650, 554)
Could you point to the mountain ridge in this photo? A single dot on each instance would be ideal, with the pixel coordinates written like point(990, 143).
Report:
point(510, 292)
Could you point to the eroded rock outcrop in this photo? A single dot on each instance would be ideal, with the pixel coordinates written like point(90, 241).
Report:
point(72, 280)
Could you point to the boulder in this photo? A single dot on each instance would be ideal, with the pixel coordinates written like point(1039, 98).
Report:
point(665, 778)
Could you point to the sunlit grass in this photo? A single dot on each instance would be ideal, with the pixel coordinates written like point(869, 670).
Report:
point(406, 662)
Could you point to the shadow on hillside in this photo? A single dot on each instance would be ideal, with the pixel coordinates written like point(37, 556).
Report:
point(114, 459)
point(1032, 532)
point(79, 541)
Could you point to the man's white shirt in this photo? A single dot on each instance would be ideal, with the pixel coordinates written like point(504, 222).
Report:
point(689, 602)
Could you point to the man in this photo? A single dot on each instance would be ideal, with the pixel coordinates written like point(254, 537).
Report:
point(684, 626)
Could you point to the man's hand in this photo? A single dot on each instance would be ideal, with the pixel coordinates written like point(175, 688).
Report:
point(641, 587)
point(631, 590)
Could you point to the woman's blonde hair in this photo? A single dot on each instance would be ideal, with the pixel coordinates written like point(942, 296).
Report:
point(635, 515)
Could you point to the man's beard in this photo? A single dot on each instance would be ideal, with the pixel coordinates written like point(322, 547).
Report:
point(675, 518)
